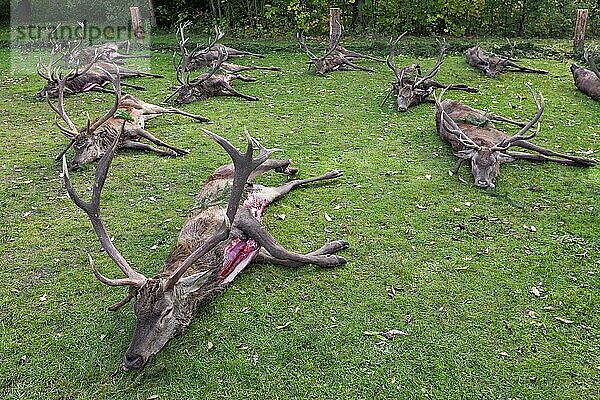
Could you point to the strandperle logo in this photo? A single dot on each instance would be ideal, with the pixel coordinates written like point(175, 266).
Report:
point(89, 33)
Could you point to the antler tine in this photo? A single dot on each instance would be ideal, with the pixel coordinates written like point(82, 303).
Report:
point(303, 46)
point(435, 68)
point(391, 58)
point(59, 109)
point(182, 67)
point(116, 82)
point(451, 126)
point(244, 164)
point(540, 105)
point(92, 209)
point(336, 41)
point(589, 59)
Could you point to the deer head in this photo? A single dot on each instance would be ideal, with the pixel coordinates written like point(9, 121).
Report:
point(165, 304)
point(188, 90)
point(485, 158)
point(88, 143)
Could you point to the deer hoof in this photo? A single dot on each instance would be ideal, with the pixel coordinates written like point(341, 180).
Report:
point(336, 173)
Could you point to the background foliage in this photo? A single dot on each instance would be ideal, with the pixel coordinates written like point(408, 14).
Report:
point(259, 18)
point(536, 18)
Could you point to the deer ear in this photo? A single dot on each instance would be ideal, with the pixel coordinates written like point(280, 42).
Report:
point(193, 283)
point(465, 154)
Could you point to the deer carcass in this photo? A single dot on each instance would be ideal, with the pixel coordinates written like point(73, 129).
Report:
point(587, 80)
point(93, 76)
point(336, 58)
point(127, 113)
point(473, 137)
point(215, 82)
point(200, 58)
point(218, 240)
point(410, 88)
point(493, 65)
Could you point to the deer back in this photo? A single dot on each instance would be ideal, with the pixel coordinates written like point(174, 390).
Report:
point(473, 122)
point(586, 81)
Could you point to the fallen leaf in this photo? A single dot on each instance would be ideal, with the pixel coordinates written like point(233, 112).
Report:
point(428, 177)
point(504, 354)
point(154, 247)
point(153, 397)
point(563, 320)
point(102, 337)
point(456, 209)
point(535, 291)
point(255, 359)
point(531, 314)
point(209, 346)
point(286, 325)
point(392, 333)
point(43, 297)
point(328, 218)
point(241, 346)
point(279, 216)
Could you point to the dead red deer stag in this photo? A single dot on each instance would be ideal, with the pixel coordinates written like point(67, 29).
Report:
point(218, 240)
point(336, 58)
point(587, 80)
point(474, 137)
point(410, 88)
point(127, 113)
point(200, 58)
point(93, 76)
point(493, 65)
point(215, 82)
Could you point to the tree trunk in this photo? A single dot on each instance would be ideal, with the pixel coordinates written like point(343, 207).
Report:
point(579, 37)
point(334, 25)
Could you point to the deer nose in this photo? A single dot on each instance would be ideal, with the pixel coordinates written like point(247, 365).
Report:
point(482, 183)
point(133, 362)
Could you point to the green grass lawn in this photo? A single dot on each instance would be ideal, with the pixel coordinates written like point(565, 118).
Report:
point(448, 264)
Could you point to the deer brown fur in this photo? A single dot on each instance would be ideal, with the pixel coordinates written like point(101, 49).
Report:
point(587, 80)
point(493, 65)
point(222, 235)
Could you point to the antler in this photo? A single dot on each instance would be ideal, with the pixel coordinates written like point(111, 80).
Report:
point(539, 103)
point(71, 130)
point(211, 43)
point(222, 56)
point(336, 41)
point(435, 68)
point(244, 164)
point(588, 56)
point(449, 124)
point(391, 58)
point(92, 209)
point(116, 82)
point(182, 67)
point(303, 45)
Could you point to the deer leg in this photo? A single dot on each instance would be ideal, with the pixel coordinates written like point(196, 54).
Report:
point(500, 118)
point(387, 96)
point(572, 160)
point(282, 166)
point(459, 162)
point(270, 194)
point(129, 144)
point(136, 87)
point(254, 229)
point(150, 109)
point(263, 257)
point(147, 135)
point(244, 79)
point(355, 66)
point(540, 157)
point(234, 92)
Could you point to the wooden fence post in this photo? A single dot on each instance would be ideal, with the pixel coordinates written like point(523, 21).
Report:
point(136, 24)
point(579, 37)
point(334, 25)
